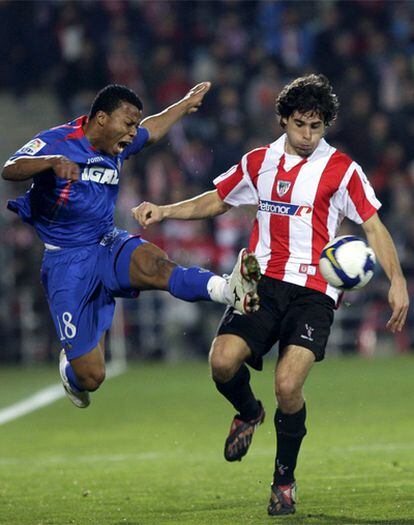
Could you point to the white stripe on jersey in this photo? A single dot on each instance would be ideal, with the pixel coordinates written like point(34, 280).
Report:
point(264, 190)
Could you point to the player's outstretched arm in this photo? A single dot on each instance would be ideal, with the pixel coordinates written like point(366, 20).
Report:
point(24, 168)
point(203, 206)
point(158, 125)
point(380, 240)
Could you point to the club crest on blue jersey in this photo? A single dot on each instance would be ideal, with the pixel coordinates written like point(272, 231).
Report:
point(100, 175)
point(282, 187)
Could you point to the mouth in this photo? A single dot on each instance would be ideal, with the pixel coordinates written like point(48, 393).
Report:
point(121, 145)
point(304, 149)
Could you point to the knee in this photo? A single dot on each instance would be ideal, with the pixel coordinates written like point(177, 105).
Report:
point(91, 380)
point(287, 389)
point(151, 268)
point(223, 362)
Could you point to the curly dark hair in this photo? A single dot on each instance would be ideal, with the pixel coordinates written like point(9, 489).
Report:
point(312, 93)
point(110, 98)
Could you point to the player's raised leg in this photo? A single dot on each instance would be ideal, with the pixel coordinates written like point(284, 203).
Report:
point(83, 374)
point(291, 371)
point(150, 268)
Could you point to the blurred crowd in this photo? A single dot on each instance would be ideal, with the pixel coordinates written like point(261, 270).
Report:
point(248, 50)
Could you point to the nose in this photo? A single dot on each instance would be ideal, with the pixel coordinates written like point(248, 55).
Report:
point(133, 131)
point(307, 133)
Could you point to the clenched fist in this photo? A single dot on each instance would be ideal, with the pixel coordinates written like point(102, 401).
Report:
point(65, 168)
point(148, 213)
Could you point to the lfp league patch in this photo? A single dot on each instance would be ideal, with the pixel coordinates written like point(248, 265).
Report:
point(32, 147)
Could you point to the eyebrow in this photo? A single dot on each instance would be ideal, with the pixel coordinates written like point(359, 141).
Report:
point(298, 119)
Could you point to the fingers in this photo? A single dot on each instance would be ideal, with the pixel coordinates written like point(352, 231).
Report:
point(203, 87)
point(146, 213)
point(66, 169)
point(397, 319)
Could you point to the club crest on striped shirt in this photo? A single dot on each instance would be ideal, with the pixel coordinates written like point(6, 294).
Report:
point(282, 187)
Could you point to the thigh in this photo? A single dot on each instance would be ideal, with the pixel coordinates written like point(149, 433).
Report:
point(115, 255)
point(129, 264)
point(307, 322)
point(259, 330)
point(80, 306)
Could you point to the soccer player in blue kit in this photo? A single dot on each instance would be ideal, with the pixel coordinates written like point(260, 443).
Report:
point(87, 261)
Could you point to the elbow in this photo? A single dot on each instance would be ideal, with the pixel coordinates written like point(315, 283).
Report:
point(154, 136)
point(7, 173)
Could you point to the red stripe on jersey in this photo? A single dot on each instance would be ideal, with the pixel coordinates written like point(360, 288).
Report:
point(254, 236)
point(356, 192)
point(279, 224)
point(328, 184)
point(225, 186)
point(254, 162)
point(77, 133)
point(63, 197)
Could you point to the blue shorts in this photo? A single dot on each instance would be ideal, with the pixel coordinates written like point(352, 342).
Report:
point(81, 285)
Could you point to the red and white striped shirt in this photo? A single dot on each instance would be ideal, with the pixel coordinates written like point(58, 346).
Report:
point(301, 204)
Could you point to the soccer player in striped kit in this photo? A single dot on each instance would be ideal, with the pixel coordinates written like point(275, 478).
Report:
point(303, 188)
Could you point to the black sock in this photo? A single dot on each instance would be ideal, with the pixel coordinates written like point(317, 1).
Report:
point(240, 395)
point(290, 430)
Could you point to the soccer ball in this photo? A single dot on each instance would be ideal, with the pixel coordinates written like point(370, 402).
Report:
point(347, 262)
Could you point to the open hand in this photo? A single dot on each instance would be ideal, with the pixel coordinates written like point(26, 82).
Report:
point(399, 302)
point(194, 97)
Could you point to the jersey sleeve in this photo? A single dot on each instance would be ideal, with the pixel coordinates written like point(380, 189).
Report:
point(44, 143)
point(140, 139)
point(235, 186)
point(360, 201)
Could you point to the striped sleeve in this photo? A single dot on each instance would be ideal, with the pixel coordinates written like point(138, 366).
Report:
point(238, 185)
point(361, 202)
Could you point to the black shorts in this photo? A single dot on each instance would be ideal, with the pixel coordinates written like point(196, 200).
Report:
point(290, 314)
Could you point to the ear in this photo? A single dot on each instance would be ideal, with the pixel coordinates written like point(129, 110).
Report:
point(101, 117)
point(283, 122)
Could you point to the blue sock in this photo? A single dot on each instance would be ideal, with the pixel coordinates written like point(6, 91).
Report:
point(73, 380)
point(190, 284)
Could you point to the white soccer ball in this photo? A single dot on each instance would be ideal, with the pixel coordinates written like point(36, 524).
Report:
point(347, 262)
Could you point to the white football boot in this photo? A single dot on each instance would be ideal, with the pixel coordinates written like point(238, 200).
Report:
point(243, 282)
point(79, 399)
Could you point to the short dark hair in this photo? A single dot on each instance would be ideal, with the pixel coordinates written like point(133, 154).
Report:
point(310, 93)
point(110, 98)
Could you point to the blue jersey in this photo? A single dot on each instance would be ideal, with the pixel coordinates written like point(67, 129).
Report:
point(65, 213)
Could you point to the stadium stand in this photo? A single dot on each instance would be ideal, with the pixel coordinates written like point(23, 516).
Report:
point(56, 55)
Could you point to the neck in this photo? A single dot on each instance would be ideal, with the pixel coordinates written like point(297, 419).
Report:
point(92, 134)
point(290, 150)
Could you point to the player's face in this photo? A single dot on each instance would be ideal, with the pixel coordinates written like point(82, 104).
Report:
point(119, 128)
point(304, 132)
